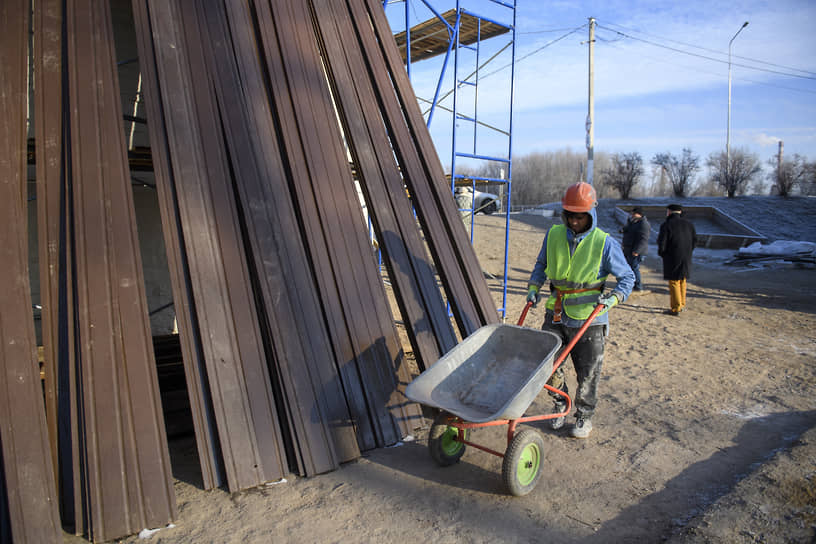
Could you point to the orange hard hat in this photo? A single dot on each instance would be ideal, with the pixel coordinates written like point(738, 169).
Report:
point(580, 197)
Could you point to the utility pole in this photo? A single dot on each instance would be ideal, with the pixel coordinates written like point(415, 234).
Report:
point(728, 128)
point(590, 125)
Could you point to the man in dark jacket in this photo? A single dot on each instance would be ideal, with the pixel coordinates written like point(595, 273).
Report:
point(675, 242)
point(636, 242)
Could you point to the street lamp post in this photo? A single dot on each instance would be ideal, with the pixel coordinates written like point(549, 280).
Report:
point(728, 130)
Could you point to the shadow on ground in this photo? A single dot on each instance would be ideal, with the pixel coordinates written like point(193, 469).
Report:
point(704, 482)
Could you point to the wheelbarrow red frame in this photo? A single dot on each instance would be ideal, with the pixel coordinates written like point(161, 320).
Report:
point(512, 424)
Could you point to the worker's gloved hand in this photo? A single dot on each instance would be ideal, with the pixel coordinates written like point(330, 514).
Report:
point(532, 295)
point(608, 299)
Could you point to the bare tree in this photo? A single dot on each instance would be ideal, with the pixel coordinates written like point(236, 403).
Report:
point(733, 175)
point(707, 187)
point(791, 173)
point(543, 177)
point(624, 172)
point(680, 171)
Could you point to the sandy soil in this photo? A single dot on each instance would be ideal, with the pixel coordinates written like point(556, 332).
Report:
point(704, 433)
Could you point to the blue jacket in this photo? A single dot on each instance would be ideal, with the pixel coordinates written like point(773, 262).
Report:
point(612, 262)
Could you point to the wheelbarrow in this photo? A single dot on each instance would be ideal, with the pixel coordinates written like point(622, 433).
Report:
point(490, 379)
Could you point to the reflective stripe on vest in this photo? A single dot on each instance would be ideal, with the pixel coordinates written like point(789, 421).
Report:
point(577, 271)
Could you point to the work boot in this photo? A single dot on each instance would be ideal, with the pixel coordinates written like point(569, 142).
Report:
point(583, 427)
point(557, 422)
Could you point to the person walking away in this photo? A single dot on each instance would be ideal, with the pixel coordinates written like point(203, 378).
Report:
point(675, 244)
point(577, 257)
point(635, 242)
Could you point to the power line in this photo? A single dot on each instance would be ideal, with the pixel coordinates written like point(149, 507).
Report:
point(714, 50)
point(533, 52)
point(699, 70)
point(572, 31)
point(691, 54)
point(545, 31)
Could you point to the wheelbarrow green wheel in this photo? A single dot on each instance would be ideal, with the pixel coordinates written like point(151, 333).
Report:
point(521, 467)
point(442, 443)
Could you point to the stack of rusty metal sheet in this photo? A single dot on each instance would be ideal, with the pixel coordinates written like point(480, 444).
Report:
point(292, 359)
point(108, 449)
point(28, 506)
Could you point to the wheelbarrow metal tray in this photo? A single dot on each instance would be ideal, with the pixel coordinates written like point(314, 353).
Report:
point(495, 373)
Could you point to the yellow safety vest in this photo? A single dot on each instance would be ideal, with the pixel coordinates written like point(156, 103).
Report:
point(575, 272)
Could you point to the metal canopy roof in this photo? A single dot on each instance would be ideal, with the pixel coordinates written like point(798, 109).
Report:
point(431, 38)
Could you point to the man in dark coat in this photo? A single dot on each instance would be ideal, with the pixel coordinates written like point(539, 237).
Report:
point(635, 242)
point(675, 242)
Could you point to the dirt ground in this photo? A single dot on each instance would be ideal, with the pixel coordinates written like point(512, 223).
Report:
point(705, 432)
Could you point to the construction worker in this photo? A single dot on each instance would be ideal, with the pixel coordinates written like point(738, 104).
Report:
point(577, 257)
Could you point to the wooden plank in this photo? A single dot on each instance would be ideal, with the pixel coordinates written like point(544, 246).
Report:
point(432, 37)
point(410, 270)
point(28, 503)
point(304, 357)
point(127, 478)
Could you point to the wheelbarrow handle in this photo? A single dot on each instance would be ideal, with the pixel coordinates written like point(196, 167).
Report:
point(524, 313)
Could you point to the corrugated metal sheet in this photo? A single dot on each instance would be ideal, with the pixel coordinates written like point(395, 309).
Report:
point(28, 505)
point(447, 238)
point(304, 369)
point(409, 266)
point(100, 372)
point(291, 354)
point(48, 131)
point(123, 449)
point(353, 294)
point(209, 451)
point(197, 195)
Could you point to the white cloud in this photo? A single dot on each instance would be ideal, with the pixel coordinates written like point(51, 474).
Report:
point(648, 97)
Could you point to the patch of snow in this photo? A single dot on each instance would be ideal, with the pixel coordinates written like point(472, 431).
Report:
point(147, 533)
point(745, 415)
point(780, 247)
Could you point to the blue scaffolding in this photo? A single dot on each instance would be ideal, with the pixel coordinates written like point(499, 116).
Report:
point(478, 37)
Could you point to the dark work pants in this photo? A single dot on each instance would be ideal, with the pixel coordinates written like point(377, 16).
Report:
point(634, 264)
point(587, 359)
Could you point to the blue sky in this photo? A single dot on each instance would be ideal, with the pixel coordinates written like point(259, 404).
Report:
point(661, 77)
